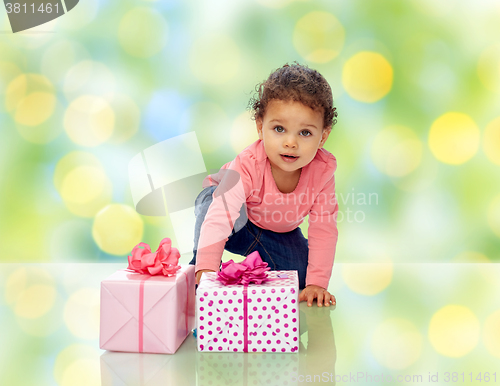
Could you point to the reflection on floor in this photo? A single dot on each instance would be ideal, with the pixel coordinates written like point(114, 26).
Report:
point(393, 324)
point(317, 355)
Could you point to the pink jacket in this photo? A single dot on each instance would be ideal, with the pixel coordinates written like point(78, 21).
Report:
point(270, 209)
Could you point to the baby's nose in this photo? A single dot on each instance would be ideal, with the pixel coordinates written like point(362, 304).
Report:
point(290, 141)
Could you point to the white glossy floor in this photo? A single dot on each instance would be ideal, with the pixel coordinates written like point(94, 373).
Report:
point(394, 324)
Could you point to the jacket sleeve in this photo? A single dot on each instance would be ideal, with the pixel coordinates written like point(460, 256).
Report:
point(231, 193)
point(322, 236)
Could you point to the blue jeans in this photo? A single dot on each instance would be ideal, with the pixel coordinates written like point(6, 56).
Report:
point(281, 251)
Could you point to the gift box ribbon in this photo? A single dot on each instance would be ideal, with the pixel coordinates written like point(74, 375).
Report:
point(162, 262)
point(141, 311)
point(250, 270)
point(141, 315)
point(245, 318)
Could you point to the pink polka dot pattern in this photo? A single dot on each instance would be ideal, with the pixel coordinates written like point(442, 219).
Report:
point(272, 309)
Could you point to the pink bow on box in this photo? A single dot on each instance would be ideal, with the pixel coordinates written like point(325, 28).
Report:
point(250, 270)
point(163, 261)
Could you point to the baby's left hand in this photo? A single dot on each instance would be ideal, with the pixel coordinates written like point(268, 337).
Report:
point(312, 292)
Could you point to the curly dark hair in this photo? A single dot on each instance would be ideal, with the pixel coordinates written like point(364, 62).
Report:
point(298, 83)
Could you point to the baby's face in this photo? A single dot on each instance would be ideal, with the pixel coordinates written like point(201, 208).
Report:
point(291, 128)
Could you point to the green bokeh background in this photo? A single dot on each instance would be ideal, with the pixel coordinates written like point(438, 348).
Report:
point(434, 213)
point(444, 57)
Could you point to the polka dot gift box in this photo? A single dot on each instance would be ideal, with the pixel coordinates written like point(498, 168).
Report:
point(248, 317)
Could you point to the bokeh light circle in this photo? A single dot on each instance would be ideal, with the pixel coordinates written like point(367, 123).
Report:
point(45, 131)
point(318, 37)
point(142, 32)
point(367, 76)
point(454, 331)
point(82, 183)
point(8, 72)
point(82, 372)
point(88, 77)
point(117, 229)
point(31, 293)
point(493, 215)
point(81, 313)
point(163, 114)
point(491, 141)
point(21, 279)
point(214, 59)
point(69, 162)
point(36, 108)
point(31, 100)
point(127, 118)
point(367, 279)
point(23, 85)
point(488, 68)
point(491, 334)
point(73, 362)
point(396, 343)
point(45, 325)
point(60, 57)
point(396, 151)
point(243, 132)
point(421, 178)
point(35, 301)
point(14, 285)
point(454, 138)
point(89, 120)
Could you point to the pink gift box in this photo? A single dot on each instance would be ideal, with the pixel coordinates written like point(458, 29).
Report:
point(144, 313)
point(254, 318)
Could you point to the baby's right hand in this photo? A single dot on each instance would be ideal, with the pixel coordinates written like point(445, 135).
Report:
point(198, 274)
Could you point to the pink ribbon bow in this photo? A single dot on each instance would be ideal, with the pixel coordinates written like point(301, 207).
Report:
point(163, 261)
point(250, 270)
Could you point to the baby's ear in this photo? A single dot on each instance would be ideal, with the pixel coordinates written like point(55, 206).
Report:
point(324, 135)
point(258, 123)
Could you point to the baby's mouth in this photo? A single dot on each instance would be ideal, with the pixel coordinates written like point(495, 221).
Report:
point(288, 157)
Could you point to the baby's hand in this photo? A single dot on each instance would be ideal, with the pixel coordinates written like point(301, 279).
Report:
point(312, 292)
point(198, 274)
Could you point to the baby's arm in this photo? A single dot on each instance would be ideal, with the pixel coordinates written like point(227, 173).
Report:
point(199, 273)
point(322, 243)
point(219, 221)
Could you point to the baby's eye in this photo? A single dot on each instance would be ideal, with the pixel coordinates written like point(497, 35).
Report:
point(279, 129)
point(306, 133)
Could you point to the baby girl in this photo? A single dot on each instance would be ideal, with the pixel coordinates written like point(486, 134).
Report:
point(257, 201)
